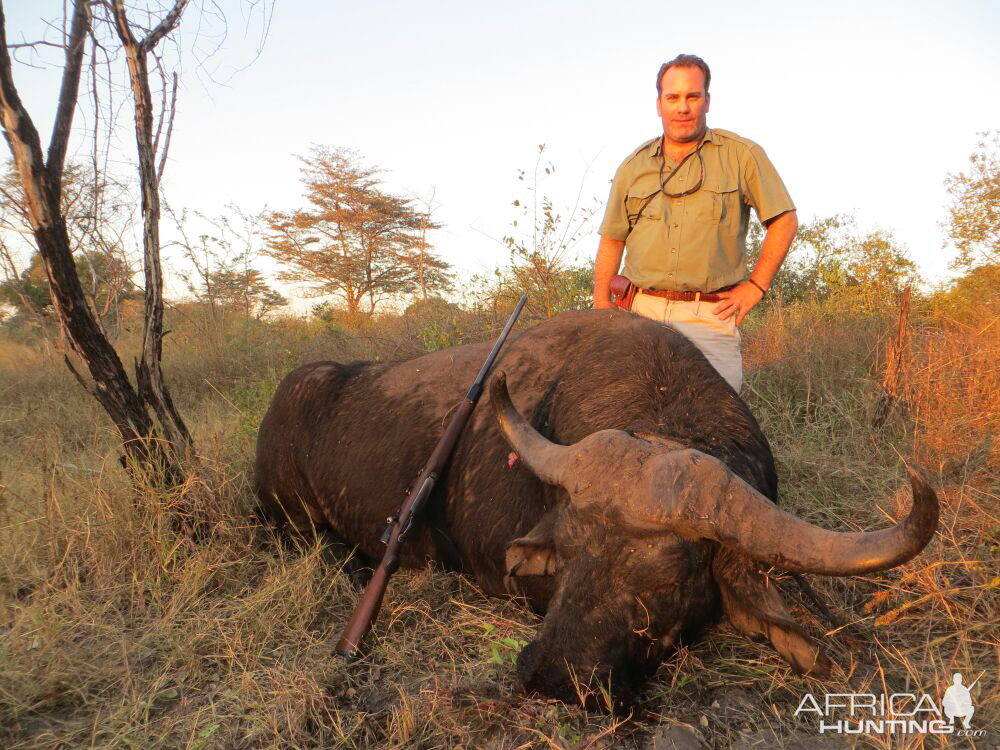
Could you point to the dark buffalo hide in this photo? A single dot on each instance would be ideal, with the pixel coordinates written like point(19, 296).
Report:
point(341, 443)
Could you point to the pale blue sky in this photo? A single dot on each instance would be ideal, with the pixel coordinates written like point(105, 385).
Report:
point(862, 106)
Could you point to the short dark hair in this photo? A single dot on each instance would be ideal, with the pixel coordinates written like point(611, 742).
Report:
point(683, 61)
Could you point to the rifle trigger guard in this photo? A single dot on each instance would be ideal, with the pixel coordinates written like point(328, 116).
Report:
point(406, 529)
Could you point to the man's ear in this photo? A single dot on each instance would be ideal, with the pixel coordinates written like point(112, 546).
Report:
point(754, 607)
point(533, 554)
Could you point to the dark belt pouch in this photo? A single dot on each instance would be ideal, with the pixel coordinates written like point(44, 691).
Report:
point(622, 291)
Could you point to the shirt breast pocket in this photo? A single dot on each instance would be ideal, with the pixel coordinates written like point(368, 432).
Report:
point(718, 199)
point(642, 204)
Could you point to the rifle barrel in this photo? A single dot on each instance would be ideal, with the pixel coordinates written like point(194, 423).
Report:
point(477, 385)
point(364, 614)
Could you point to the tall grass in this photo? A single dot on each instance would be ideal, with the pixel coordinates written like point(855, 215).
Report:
point(117, 631)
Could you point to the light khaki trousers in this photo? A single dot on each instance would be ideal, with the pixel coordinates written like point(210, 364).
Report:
point(718, 340)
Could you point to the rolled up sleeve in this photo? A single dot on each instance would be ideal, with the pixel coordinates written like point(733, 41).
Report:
point(763, 187)
point(615, 223)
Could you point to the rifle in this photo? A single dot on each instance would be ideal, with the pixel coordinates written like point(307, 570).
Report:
point(401, 522)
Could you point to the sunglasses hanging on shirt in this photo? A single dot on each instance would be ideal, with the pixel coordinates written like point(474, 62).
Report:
point(701, 177)
point(633, 220)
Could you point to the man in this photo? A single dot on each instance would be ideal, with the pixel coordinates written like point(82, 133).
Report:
point(680, 206)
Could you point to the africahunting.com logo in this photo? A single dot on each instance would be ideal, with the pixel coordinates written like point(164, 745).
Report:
point(902, 713)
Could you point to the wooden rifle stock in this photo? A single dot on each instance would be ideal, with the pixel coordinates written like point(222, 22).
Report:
point(401, 522)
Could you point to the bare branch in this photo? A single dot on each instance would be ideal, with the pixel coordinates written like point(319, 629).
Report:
point(22, 137)
point(170, 130)
point(163, 101)
point(101, 151)
point(68, 95)
point(97, 120)
point(168, 24)
point(32, 45)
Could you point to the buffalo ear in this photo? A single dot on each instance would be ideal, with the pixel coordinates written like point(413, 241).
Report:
point(533, 554)
point(754, 607)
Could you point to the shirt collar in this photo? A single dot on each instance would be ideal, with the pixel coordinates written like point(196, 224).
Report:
point(709, 137)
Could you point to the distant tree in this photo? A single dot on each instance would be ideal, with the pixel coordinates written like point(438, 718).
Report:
point(877, 269)
point(814, 265)
point(108, 278)
point(22, 292)
point(973, 224)
point(25, 289)
point(98, 221)
point(433, 274)
point(964, 299)
point(356, 241)
point(245, 290)
point(818, 255)
point(224, 277)
point(831, 258)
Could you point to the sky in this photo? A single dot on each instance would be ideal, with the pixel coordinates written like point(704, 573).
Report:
point(863, 107)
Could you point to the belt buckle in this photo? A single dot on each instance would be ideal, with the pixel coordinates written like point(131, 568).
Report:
point(697, 296)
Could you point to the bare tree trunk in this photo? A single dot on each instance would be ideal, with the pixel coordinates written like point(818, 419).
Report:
point(149, 374)
point(42, 182)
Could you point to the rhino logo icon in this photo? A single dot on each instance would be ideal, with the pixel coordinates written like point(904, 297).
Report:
point(958, 700)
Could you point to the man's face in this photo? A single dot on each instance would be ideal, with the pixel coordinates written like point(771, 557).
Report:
point(683, 104)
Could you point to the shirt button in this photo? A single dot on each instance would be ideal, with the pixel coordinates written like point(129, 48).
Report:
point(676, 224)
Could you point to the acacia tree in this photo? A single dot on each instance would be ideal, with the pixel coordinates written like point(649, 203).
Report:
point(355, 241)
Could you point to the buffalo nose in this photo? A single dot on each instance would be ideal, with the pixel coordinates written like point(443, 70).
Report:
point(553, 678)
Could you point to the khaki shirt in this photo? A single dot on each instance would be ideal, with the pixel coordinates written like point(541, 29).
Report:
point(696, 242)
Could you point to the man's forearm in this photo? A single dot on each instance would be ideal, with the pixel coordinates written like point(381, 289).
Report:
point(609, 259)
point(745, 296)
point(780, 233)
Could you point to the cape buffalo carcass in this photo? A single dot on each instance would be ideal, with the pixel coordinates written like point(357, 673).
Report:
point(632, 507)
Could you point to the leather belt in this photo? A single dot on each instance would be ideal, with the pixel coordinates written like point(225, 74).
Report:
point(686, 296)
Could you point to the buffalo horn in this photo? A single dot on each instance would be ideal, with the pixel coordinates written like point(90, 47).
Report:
point(545, 458)
point(695, 494)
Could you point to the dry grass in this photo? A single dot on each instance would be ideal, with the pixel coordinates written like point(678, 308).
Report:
point(117, 632)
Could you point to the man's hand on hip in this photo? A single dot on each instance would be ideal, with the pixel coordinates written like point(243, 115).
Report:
point(738, 301)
